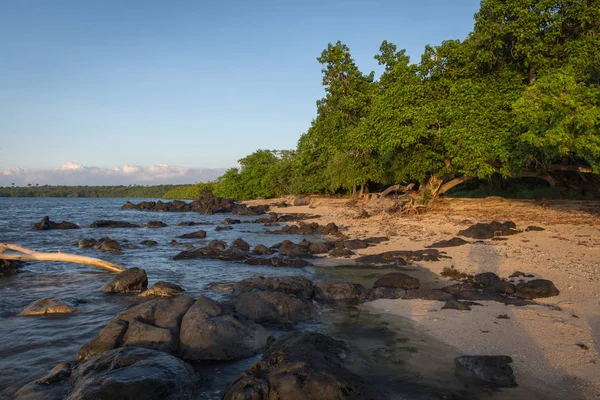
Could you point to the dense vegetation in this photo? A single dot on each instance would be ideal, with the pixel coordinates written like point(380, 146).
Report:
point(519, 97)
point(155, 191)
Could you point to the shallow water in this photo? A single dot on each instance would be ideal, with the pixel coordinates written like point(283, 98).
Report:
point(386, 349)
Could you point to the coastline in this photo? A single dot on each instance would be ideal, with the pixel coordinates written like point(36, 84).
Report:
point(554, 343)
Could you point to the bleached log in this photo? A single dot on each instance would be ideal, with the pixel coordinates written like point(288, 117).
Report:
point(31, 255)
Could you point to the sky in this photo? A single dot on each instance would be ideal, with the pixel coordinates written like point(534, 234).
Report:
point(181, 85)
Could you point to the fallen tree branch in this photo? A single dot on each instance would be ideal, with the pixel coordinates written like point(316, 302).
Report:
point(31, 255)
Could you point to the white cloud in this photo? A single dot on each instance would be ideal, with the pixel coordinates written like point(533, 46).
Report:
point(73, 173)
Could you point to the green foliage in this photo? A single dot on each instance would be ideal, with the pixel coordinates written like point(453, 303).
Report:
point(192, 192)
point(155, 191)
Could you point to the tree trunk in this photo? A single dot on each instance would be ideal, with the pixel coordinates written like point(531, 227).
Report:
point(395, 188)
point(454, 182)
point(31, 255)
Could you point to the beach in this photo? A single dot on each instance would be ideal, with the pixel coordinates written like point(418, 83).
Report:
point(557, 340)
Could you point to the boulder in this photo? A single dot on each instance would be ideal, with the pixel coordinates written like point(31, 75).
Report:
point(262, 250)
point(385, 293)
point(208, 333)
point(10, 267)
point(219, 245)
point(130, 280)
point(278, 262)
point(155, 224)
point(153, 324)
point(194, 235)
point(533, 228)
point(46, 307)
point(291, 249)
point(339, 292)
point(489, 230)
point(112, 224)
point(219, 286)
point(212, 205)
point(320, 248)
point(231, 221)
point(240, 244)
point(86, 243)
point(223, 228)
point(273, 308)
point(536, 288)
point(301, 200)
point(301, 366)
point(109, 246)
point(353, 244)
point(47, 224)
point(454, 242)
point(401, 256)
point(53, 385)
point(132, 374)
point(397, 280)
point(297, 286)
point(163, 289)
point(456, 305)
point(205, 252)
point(149, 242)
point(491, 281)
point(493, 370)
point(339, 253)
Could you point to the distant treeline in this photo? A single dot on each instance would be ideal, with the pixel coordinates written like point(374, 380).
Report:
point(154, 191)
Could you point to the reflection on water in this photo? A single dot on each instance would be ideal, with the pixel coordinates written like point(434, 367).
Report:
point(386, 350)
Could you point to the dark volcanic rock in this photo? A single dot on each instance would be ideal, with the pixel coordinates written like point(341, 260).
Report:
point(193, 223)
point(262, 250)
point(46, 224)
point(536, 288)
point(205, 252)
point(220, 286)
point(534, 228)
point(53, 385)
point(112, 224)
point(273, 308)
point(223, 228)
point(218, 245)
point(132, 374)
point(493, 370)
point(213, 205)
point(46, 307)
point(193, 235)
point(491, 281)
point(403, 255)
point(208, 333)
point(454, 242)
point(149, 242)
point(321, 248)
point(339, 253)
point(278, 262)
point(130, 280)
point(153, 324)
point(9, 267)
point(490, 230)
point(231, 221)
point(397, 280)
point(385, 293)
point(456, 305)
point(155, 224)
point(288, 248)
point(353, 244)
point(301, 366)
point(240, 244)
point(376, 240)
point(339, 292)
point(86, 243)
point(163, 289)
point(428, 294)
point(307, 229)
point(297, 286)
point(109, 246)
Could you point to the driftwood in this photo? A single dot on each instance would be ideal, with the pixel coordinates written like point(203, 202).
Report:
point(31, 255)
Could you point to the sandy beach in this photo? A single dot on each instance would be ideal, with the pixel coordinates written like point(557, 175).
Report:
point(557, 341)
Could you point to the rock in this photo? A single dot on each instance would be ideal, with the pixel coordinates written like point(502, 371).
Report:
point(491, 281)
point(397, 280)
point(490, 230)
point(339, 253)
point(231, 221)
point(328, 229)
point(223, 228)
point(192, 223)
point(291, 249)
point(130, 280)
point(46, 224)
point(428, 294)
point(534, 228)
point(456, 305)
point(376, 240)
point(536, 288)
point(220, 286)
point(163, 289)
point(306, 229)
point(320, 248)
point(153, 324)
point(385, 293)
point(211, 205)
point(353, 244)
point(261, 250)
point(53, 385)
point(10, 267)
point(149, 242)
point(207, 333)
point(454, 242)
point(301, 366)
point(112, 224)
point(494, 370)
point(297, 286)
point(339, 292)
point(110, 246)
point(278, 262)
point(46, 307)
point(403, 255)
point(240, 244)
point(194, 235)
point(85, 243)
point(133, 246)
point(155, 224)
point(205, 252)
point(301, 200)
point(132, 374)
point(219, 245)
point(273, 308)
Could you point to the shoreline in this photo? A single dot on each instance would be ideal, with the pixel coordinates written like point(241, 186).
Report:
point(554, 343)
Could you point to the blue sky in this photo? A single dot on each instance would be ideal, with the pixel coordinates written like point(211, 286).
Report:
point(187, 83)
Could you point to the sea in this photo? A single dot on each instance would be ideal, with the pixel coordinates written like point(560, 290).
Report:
point(387, 350)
